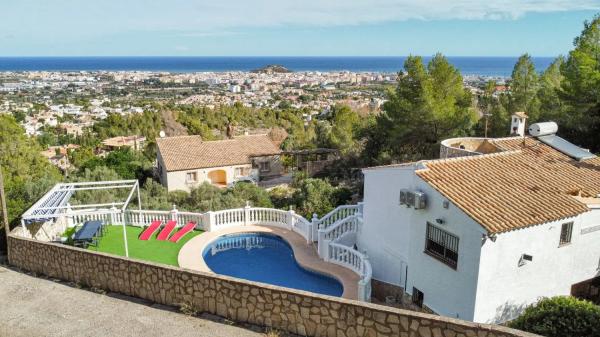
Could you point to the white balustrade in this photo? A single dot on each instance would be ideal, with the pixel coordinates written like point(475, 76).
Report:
point(184, 218)
point(337, 214)
point(145, 218)
point(267, 216)
point(301, 226)
point(356, 261)
point(342, 227)
point(140, 218)
point(100, 215)
point(228, 218)
point(259, 216)
point(336, 232)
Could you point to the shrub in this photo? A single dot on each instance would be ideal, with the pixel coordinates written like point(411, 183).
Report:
point(282, 196)
point(560, 316)
point(257, 196)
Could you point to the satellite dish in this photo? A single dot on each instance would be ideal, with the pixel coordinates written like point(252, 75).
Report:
point(162, 134)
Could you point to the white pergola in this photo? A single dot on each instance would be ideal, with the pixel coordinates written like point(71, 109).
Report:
point(55, 203)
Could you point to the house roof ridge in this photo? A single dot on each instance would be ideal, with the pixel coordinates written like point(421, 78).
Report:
point(177, 137)
point(463, 158)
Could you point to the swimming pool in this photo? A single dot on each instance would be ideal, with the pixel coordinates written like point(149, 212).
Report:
point(265, 258)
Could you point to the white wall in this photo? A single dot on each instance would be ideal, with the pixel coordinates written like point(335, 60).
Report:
point(447, 291)
point(162, 173)
point(505, 288)
point(394, 237)
point(176, 180)
point(384, 234)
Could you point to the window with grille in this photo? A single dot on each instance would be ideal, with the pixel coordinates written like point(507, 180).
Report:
point(441, 245)
point(566, 232)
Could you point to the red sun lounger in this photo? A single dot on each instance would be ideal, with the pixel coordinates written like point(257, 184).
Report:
point(166, 231)
point(150, 230)
point(183, 231)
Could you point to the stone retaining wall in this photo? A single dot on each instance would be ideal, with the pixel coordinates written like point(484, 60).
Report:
point(298, 312)
point(380, 290)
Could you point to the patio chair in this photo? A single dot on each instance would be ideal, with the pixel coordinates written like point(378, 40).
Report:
point(183, 231)
point(147, 233)
point(167, 230)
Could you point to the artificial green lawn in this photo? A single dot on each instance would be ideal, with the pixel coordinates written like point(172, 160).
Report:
point(151, 250)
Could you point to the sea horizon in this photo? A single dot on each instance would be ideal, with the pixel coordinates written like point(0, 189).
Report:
point(489, 66)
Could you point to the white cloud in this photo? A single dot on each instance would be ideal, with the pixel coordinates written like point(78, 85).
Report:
point(210, 18)
point(265, 13)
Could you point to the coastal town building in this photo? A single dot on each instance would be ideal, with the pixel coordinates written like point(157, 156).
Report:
point(188, 161)
point(134, 142)
point(59, 155)
point(489, 228)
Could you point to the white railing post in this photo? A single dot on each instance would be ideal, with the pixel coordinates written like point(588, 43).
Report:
point(174, 213)
point(70, 218)
point(314, 224)
point(364, 264)
point(247, 213)
point(209, 221)
point(364, 285)
point(323, 246)
point(362, 291)
point(113, 211)
point(290, 218)
point(359, 216)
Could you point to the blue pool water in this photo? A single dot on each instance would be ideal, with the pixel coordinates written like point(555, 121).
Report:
point(265, 258)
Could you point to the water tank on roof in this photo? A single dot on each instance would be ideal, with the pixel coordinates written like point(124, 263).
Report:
point(543, 129)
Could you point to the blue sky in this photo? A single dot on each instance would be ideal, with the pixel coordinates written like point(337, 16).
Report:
point(291, 27)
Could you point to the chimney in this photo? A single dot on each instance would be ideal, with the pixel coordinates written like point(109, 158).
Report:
point(230, 131)
point(517, 124)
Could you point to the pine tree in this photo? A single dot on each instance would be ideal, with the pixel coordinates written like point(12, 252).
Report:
point(428, 105)
point(524, 87)
point(580, 88)
point(551, 106)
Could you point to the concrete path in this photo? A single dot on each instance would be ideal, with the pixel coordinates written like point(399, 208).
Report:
point(32, 306)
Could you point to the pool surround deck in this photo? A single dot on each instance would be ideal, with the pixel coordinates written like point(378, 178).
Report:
point(190, 255)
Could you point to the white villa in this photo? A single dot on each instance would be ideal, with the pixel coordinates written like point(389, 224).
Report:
point(490, 228)
point(188, 161)
point(477, 235)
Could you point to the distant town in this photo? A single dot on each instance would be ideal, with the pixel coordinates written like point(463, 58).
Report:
point(72, 101)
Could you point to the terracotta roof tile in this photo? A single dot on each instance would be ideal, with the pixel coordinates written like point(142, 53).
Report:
point(528, 184)
point(190, 152)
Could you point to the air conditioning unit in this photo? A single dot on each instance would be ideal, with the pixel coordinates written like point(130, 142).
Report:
point(420, 200)
point(403, 196)
point(410, 198)
point(417, 199)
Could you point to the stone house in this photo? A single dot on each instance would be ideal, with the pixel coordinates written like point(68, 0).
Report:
point(188, 161)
